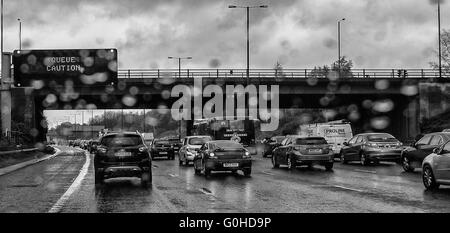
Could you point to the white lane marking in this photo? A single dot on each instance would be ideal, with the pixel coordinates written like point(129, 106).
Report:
point(73, 187)
point(336, 186)
point(15, 167)
point(346, 188)
point(268, 173)
point(365, 171)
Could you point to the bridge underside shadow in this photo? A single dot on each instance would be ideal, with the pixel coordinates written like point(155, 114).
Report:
point(393, 113)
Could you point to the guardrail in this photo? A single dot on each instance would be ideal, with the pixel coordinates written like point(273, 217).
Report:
point(271, 73)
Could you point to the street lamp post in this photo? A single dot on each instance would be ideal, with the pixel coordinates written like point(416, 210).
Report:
point(247, 110)
point(439, 35)
point(179, 63)
point(1, 32)
point(339, 44)
point(248, 34)
point(20, 34)
point(179, 76)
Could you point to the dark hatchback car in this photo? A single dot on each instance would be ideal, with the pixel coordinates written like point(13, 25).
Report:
point(122, 155)
point(296, 151)
point(175, 143)
point(412, 157)
point(92, 146)
point(162, 148)
point(371, 147)
point(270, 144)
point(222, 155)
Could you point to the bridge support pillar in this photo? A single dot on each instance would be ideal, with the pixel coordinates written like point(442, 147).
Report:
point(6, 93)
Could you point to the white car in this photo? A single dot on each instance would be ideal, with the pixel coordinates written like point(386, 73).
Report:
point(436, 167)
point(191, 146)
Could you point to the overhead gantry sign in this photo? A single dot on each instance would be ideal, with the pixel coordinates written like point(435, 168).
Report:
point(80, 67)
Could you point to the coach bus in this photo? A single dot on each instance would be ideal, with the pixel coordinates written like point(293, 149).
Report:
point(242, 131)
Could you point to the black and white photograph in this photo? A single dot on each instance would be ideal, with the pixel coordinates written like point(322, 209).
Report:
point(225, 107)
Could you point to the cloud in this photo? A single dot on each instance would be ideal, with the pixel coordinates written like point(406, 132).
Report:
point(299, 33)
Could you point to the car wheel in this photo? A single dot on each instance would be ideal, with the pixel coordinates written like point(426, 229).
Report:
point(146, 178)
point(99, 178)
point(290, 163)
point(196, 170)
point(247, 172)
point(428, 178)
point(207, 172)
point(363, 159)
point(406, 164)
point(342, 157)
point(274, 163)
point(329, 166)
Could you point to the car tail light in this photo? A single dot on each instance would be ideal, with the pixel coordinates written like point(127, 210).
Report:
point(142, 149)
point(101, 150)
point(301, 149)
point(212, 155)
point(246, 155)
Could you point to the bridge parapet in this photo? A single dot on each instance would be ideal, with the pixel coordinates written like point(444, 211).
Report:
point(271, 73)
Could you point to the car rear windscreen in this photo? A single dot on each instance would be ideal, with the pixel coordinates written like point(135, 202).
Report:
point(311, 141)
point(199, 140)
point(228, 144)
point(164, 142)
point(122, 140)
point(381, 137)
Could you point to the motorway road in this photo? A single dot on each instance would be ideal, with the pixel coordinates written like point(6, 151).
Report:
point(66, 184)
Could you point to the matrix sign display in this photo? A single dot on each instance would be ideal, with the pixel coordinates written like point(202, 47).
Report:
point(83, 67)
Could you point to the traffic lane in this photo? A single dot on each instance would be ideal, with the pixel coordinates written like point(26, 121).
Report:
point(166, 194)
point(37, 187)
point(357, 191)
point(386, 182)
point(279, 190)
point(178, 189)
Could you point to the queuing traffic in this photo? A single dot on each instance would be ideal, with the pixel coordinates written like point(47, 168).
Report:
point(224, 146)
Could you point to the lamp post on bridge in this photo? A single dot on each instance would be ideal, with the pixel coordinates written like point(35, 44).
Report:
point(179, 76)
point(248, 33)
point(20, 33)
point(439, 35)
point(179, 63)
point(339, 44)
point(247, 110)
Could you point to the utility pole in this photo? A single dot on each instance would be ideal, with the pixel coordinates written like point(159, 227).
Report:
point(439, 35)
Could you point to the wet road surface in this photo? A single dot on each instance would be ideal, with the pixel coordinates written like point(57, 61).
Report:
point(348, 188)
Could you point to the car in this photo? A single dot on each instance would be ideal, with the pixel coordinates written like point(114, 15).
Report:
point(436, 168)
point(371, 147)
point(270, 144)
point(122, 154)
point(162, 148)
point(222, 155)
point(175, 144)
point(413, 156)
point(92, 146)
point(190, 147)
point(298, 150)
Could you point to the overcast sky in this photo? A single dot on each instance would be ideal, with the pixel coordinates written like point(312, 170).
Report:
point(297, 33)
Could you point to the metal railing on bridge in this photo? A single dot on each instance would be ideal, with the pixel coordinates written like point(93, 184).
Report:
point(271, 73)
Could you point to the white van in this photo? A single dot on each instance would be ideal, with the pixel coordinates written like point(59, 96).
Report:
point(335, 133)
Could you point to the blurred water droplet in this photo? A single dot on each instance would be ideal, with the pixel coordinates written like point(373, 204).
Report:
point(134, 90)
point(129, 100)
point(380, 122)
point(383, 106)
point(37, 84)
point(409, 90)
point(382, 84)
